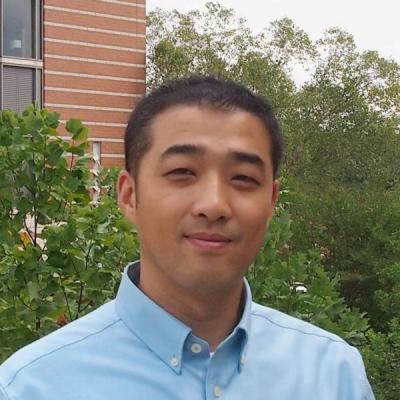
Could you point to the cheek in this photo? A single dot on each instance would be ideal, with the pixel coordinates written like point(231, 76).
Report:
point(160, 221)
point(258, 235)
point(256, 220)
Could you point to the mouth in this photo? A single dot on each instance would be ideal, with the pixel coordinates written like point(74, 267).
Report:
point(208, 241)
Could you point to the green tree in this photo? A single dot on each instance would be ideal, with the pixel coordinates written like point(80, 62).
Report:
point(296, 283)
point(61, 254)
point(382, 356)
point(206, 42)
point(343, 161)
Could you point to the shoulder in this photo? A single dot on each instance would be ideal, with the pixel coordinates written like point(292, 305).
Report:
point(321, 360)
point(303, 340)
point(268, 317)
point(59, 344)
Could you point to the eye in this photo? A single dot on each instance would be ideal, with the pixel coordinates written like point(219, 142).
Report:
point(246, 181)
point(181, 171)
point(180, 174)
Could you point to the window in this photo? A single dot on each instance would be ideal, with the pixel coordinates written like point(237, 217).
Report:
point(21, 53)
point(21, 87)
point(18, 32)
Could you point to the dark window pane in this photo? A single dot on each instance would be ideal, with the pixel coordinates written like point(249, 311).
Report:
point(17, 87)
point(38, 53)
point(18, 36)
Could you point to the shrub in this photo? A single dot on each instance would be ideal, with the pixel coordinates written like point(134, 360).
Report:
point(382, 356)
point(297, 284)
point(61, 254)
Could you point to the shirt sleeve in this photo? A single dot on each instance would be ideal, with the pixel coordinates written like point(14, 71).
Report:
point(367, 393)
point(3, 394)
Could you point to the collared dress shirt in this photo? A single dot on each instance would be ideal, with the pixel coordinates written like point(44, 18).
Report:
point(132, 349)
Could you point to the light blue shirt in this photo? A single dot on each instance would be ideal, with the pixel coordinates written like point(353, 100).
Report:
point(131, 349)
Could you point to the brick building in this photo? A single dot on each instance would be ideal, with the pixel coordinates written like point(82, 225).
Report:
point(82, 58)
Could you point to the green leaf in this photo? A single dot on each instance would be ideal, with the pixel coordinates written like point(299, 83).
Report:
point(50, 131)
point(33, 290)
point(81, 134)
point(73, 126)
point(52, 119)
point(32, 122)
point(75, 150)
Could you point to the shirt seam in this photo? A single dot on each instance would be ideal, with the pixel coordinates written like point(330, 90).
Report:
point(299, 330)
point(57, 349)
point(362, 375)
point(3, 390)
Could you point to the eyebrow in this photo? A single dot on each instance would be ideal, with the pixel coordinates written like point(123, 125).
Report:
point(183, 149)
point(198, 150)
point(249, 158)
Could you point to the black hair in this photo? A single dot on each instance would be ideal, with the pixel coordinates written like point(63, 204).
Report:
point(199, 91)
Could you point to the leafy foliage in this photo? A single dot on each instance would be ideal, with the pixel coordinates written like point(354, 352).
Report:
point(297, 284)
point(382, 357)
point(61, 254)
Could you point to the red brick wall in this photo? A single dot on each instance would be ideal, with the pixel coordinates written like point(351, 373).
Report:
point(94, 65)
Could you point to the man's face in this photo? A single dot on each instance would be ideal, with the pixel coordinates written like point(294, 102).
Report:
point(205, 196)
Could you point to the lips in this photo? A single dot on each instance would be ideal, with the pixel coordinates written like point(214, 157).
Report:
point(208, 241)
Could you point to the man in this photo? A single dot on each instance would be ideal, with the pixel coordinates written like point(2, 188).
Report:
point(200, 185)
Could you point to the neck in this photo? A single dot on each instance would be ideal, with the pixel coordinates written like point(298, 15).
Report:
point(211, 316)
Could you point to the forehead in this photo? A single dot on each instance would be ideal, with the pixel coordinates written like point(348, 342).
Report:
point(212, 128)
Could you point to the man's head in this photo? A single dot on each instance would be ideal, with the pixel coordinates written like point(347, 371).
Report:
point(208, 153)
point(201, 91)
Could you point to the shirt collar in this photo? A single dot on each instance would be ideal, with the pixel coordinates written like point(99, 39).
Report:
point(164, 334)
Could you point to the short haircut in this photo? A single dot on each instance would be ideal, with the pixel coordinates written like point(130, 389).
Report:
point(203, 91)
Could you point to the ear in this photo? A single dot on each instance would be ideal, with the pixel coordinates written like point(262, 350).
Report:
point(126, 189)
point(276, 187)
point(274, 196)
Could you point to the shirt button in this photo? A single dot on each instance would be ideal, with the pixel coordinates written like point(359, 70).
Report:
point(217, 391)
point(174, 362)
point(196, 348)
point(242, 359)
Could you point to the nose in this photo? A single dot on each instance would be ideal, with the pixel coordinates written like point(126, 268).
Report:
point(212, 200)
